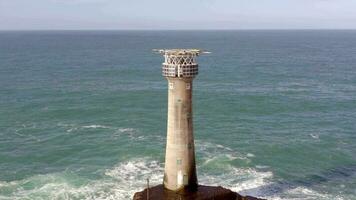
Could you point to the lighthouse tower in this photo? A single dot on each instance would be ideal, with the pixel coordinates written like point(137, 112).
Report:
point(180, 68)
point(180, 178)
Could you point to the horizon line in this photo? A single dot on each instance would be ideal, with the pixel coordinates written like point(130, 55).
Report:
point(252, 29)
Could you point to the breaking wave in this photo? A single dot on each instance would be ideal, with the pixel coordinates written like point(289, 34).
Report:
point(123, 180)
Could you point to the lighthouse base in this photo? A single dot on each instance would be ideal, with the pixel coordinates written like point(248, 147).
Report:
point(202, 193)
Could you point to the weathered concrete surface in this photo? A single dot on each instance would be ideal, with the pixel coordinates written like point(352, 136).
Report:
point(180, 171)
point(202, 193)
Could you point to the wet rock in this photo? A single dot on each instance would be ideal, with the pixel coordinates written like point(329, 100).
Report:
point(201, 193)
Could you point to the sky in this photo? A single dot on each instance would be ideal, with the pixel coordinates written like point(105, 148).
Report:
point(179, 14)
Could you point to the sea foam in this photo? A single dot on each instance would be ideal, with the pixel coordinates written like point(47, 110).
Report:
point(126, 178)
point(120, 182)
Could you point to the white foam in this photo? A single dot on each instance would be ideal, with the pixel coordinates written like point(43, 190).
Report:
point(123, 180)
point(237, 179)
point(115, 130)
point(262, 167)
point(302, 193)
point(131, 133)
point(135, 169)
point(212, 151)
point(76, 126)
point(203, 145)
point(95, 126)
point(118, 183)
point(123, 130)
point(314, 135)
point(250, 155)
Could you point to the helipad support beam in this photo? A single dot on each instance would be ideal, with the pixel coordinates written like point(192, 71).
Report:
point(180, 69)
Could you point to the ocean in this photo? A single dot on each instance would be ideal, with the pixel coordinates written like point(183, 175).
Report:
point(83, 113)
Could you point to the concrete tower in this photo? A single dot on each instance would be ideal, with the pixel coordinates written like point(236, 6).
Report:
point(180, 68)
point(180, 178)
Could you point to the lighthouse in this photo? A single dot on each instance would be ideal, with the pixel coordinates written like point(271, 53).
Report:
point(180, 177)
point(180, 68)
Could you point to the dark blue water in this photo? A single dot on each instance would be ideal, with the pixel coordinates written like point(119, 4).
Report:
point(83, 113)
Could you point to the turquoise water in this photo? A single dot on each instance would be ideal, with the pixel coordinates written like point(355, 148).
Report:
point(83, 114)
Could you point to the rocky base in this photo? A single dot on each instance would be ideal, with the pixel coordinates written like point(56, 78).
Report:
point(202, 193)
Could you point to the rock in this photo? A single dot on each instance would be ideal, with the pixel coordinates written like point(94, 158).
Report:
point(202, 193)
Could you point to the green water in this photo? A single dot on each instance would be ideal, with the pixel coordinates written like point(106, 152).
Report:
point(83, 114)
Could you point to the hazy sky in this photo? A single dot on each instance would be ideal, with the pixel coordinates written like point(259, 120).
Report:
point(179, 14)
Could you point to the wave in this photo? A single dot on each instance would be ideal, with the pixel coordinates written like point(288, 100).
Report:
point(95, 126)
point(118, 183)
point(74, 127)
point(115, 130)
point(123, 180)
